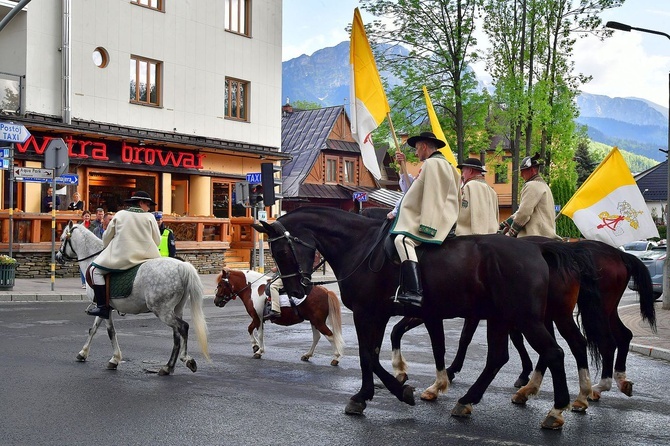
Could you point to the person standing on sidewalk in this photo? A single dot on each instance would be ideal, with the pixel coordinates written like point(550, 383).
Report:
point(167, 246)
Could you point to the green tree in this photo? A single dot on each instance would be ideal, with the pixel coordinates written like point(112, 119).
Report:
point(584, 164)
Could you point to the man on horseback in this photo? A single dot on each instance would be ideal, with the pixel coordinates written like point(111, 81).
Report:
point(274, 289)
point(479, 213)
point(427, 212)
point(131, 238)
point(536, 214)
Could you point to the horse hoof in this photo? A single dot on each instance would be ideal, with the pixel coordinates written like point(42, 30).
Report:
point(595, 396)
point(408, 395)
point(111, 366)
point(81, 358)
point(334, 362)
point(257, 356)
point(426, 395)
point(163, 372)
point(355, 408)
point(255, 348)
point(627, 388)
point(304, 358)
point(579, 407)
point(461, 410)
point(519, 399)
point(402, 378)
point(552, 422)
point(520, 382)
point(191, 364)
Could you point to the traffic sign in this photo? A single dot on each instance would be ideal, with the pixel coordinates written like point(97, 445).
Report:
point(262, 215)
point(13, 132)
point(56, 156)
point(360, 196)
point(254, 178)
point(4, 153)
point(68, 179)
point(32, 172)
point(4, 163)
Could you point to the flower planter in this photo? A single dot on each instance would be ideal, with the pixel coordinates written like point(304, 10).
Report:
point(7, 276)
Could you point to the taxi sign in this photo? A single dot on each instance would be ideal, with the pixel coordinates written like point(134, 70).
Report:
point(360, 196)
point(11, 132)
point(254, 178)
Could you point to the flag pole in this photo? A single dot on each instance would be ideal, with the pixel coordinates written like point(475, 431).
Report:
point(403, 167)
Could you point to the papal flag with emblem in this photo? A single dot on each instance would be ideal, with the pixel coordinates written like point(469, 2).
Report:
point(609, 206)
point(437, 129)
point(369, 105)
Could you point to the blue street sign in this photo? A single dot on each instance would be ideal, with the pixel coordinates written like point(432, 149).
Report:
point(360, 196)
point(13, 132)
point(4, 153)
point(4, 163)
point(557, 207)
point(254, 178)
point(69, 178)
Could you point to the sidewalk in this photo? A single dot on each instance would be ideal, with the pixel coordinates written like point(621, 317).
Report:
point(655, 345)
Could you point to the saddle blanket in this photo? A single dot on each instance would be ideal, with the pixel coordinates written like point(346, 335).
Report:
point(285, 302)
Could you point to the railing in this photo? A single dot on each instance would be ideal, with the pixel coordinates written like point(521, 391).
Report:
point(32, 231)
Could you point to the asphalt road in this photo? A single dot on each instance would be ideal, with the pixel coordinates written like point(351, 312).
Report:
point(48, 398)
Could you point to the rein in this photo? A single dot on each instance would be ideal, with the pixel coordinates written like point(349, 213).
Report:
point(68, 241)
point(235, 294)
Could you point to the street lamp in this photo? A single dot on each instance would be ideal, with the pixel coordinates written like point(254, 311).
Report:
point(666, 270)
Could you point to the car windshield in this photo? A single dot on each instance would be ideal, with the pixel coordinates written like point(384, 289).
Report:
point(636, 246)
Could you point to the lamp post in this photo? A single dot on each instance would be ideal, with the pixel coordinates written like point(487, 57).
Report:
point(666, 269)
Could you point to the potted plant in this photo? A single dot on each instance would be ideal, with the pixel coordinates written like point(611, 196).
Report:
point(7, 272)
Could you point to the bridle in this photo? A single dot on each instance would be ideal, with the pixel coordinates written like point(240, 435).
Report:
point(68, 243)
point(232, 294)
point(305, 278)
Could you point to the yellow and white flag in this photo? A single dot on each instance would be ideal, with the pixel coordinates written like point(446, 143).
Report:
point(609, 206)
point(369, 107)
point(437, 129)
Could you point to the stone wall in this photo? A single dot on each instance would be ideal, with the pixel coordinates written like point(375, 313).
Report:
point(38, 264)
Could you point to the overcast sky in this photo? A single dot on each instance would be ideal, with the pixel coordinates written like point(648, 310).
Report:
point(631, 64)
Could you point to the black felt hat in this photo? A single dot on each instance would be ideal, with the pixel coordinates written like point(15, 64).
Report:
point(529, 162)
point(473, 163)
point(426, 136)
point(140, 195)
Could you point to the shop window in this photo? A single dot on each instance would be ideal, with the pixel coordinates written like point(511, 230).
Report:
point(238, 16)
point(236, 99)
point(331, 169)
point(222, 202)
point(153, 4)
point(109, 190)
point(145, 81)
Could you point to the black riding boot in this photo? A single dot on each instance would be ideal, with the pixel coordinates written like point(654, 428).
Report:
point(102, 310)
point(412, 293)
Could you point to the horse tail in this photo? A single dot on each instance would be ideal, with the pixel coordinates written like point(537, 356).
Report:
point(194, 289)
point(638, 271)
point(335, 319)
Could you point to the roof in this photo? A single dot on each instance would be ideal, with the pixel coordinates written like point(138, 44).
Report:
point(653, 182)
point(304, 135)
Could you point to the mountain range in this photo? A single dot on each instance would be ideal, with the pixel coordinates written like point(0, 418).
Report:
point(632, 124)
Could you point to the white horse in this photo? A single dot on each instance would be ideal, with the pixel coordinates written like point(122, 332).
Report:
point(319, 307)
point(162, 286)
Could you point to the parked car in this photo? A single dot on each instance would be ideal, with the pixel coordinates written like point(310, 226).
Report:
point(654, 260)
point(638, 247)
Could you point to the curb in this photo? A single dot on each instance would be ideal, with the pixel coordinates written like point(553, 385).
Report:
point(653, 352)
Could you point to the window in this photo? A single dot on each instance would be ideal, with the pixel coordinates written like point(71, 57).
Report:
point(145, 81)
point(331, 169)
point(236, 99)
point(153, 4)
point(238, 16)
point(349, 171)
point(501, 173)
point(100, 57)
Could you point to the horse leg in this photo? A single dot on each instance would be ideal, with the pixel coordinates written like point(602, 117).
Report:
point(180, 346)
point(542, 342)
point(370, 333)
point(570, 332)
point(254, 341)
point(496, 357)
point(526, 364)
point(315, 340)
point(436, 332)
point(116, 356)
point(623, 337)
point(85, 350)
point(397, 360)
point(607, 349)
point(467, 333)
point(532, 387)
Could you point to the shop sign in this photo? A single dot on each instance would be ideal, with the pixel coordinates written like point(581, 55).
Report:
point(113, 151)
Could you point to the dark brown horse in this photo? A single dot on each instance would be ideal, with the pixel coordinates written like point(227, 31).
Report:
point(614, 269)
point(492, 277)
point(320, 306)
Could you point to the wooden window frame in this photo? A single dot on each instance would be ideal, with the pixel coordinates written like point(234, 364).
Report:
point(354, 170)
point(241, 18)
point(138, 60)
point(158, 5)
point(336, 170)
point(227, 100)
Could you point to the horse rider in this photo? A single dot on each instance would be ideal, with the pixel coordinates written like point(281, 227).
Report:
point(276, 285)
point(479, 213)
point(427, 212)
point(536, 214)
point(167, 246)
point(130, 239)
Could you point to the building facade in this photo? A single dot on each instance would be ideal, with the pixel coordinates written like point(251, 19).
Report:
point(177, 98)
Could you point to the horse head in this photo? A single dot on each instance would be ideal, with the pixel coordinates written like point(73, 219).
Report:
point(84, 241)
point(293, 256)
point(230, 285)
point(66, 251)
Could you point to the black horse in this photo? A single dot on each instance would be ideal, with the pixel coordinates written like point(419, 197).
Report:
point(491, 277)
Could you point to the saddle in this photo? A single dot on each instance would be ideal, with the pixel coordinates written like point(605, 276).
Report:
point(391, 253)
point(118, 284)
